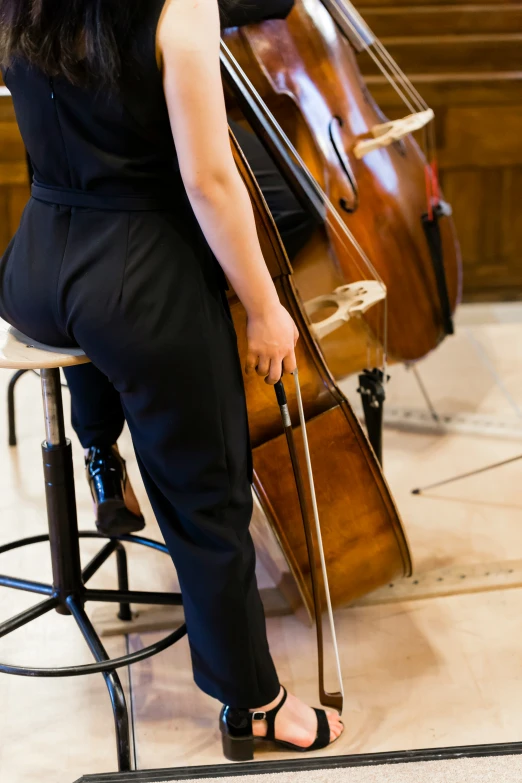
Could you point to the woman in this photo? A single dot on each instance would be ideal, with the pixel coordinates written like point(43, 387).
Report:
point(97, 414)
point(136, 195)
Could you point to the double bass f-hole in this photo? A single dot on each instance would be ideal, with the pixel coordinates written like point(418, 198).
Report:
point(347, 205)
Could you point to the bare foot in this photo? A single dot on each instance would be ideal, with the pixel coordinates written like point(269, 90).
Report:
point(296, 722)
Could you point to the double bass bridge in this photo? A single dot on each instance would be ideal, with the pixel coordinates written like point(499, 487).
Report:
point(348, 301)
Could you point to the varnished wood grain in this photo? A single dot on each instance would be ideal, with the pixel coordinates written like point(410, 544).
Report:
point(361, 526)
point(14, 186)
point(450, 53)
point(365, 5)
point(468, 67)
point(476, 136)
point(360, 548)
point(465, 88)
point(307, 73)
point(5, 230)
point(438, 19)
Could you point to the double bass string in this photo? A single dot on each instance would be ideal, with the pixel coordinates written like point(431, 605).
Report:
point(343, 233)
point(343, 13)
point(346, 11)
point(379, 54)
point(330, 214)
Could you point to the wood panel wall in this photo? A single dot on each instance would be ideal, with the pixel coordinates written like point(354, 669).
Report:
point(14, 186)
point(466, 61)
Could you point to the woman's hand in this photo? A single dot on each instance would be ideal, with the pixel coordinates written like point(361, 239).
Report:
point(272, 337)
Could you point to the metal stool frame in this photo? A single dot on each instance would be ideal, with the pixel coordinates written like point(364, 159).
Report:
point(68, 592)
point(11, 412)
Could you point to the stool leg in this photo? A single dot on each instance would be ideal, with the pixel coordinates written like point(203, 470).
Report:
point(113, 682)
point(11, 413)
point(60, 495)
point(33, 613)
point(123, 581)
point(53, 407)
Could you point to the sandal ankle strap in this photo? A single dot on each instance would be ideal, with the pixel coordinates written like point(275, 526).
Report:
point(270, 716)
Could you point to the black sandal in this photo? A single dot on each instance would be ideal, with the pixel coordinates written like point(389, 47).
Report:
point(238, 737)
point(107, 477)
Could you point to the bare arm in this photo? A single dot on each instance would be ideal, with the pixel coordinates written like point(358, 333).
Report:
point(188, 40)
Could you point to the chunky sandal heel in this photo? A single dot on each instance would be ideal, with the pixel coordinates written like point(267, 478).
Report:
point(236, 729)
point(236, 749)
point(238, 737)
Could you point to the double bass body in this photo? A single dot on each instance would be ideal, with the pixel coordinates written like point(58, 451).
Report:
point(364, 543)
point(306, 71)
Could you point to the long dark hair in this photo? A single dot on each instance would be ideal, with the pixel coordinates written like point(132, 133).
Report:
point(82, 40)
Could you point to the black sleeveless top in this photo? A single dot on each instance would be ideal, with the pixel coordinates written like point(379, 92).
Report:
point(110, 206)
point(105, 142)
point(110, 143)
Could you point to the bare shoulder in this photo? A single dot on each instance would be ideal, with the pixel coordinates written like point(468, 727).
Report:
point(187, 24)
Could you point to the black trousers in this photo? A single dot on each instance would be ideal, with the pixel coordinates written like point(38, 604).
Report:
point(97, 413)
point(141, 294)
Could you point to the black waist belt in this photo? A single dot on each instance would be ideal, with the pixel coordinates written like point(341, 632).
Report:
point(124, 203)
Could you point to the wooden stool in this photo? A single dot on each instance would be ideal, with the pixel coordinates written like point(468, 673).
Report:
point(68, 592)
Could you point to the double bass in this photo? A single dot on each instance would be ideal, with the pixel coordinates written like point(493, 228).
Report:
point(364, 543)
point(304, 68)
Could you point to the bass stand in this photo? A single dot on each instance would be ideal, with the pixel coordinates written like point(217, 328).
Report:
point(435, 416)
point(373, 394)
point(427, 399)
point(440, 422)
point(420, 490)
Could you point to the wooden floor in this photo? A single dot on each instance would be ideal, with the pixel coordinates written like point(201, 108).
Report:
point(418, 673)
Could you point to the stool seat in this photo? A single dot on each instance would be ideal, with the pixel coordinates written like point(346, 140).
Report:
point(18, 352)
